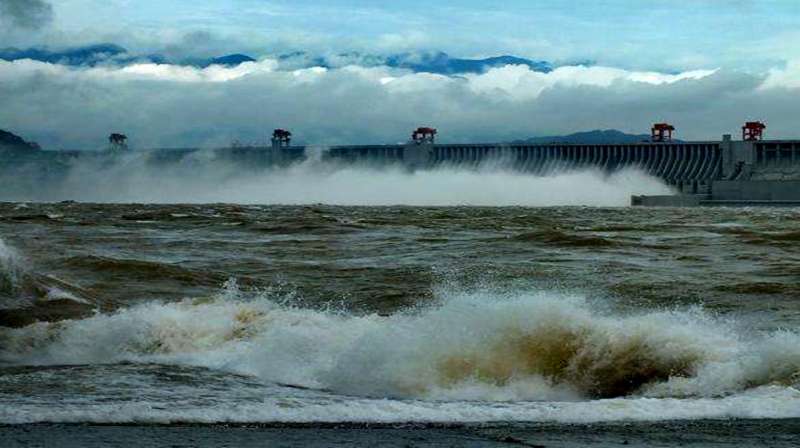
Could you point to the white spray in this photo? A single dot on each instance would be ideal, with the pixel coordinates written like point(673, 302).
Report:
point(203, 178)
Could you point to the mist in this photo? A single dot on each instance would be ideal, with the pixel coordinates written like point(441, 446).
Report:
point(203, 178)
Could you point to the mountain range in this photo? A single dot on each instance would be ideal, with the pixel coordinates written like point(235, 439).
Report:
point(421, 62)
point(428, 62)
point(9, 141)
point(89, 55)
point(596, 137)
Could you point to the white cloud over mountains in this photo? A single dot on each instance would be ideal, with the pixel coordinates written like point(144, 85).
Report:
point(168, 105)
point(664, 35)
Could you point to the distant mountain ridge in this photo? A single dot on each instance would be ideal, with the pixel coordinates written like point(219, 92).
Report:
point(595, 137)
point(9, 141)
point(231, 60)
point(422, 62)
point(427, 62)
point(442, 63)
point(90, 55)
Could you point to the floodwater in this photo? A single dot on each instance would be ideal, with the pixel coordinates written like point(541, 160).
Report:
point(436, 326)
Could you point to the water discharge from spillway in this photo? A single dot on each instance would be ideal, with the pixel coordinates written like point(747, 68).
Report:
point(206, 179)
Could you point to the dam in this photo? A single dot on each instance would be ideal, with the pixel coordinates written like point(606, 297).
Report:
point(727, 171)
point(750, 170)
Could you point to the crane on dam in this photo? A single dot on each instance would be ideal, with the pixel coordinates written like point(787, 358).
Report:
point(281, 138)
point(661, 132)
point(753, 131)
point(118, 141)
point(424, 135)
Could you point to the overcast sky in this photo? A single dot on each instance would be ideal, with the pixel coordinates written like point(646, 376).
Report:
point(735, 60)
point(653, 34)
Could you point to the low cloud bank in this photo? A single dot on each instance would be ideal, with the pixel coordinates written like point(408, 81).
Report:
point(169, 105)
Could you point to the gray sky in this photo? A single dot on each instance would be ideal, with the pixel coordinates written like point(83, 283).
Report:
point(704, 65)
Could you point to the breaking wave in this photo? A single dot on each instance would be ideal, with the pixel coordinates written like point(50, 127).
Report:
point(561, 238)
point(478, 346)
point(27, 296)
point(10, 271)
point(204, 178)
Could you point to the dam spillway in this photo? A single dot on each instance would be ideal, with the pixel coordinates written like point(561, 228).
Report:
point(691, 167)
point(693, 164)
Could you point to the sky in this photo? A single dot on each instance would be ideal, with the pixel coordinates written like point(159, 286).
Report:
point(704, 64)
point(658, 34)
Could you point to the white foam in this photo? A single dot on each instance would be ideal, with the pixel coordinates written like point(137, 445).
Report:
point(11, 272)
point(18, 281)
point(472, 346)
point(9, 258)
point(55, 293)
point(765, 402)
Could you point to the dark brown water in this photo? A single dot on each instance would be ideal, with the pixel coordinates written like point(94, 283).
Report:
point(383, 259)
point(451, 315)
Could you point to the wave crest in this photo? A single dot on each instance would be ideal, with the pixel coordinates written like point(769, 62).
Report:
point(471, 346)
point(599, 369)
point(9, 268)
point(27, 296)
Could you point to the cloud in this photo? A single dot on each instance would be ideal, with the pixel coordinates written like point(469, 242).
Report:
point(166, 105)
point(523, 84)
point(26, 13)
point(787, 76)
point(616, 33)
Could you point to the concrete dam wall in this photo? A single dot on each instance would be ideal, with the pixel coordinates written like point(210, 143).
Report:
point(723, 169)
point(693, 164)
point(689, 166)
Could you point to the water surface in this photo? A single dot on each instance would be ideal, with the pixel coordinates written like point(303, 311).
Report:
point(268, 315)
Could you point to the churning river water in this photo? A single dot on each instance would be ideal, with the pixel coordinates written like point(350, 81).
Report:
point(434, 317)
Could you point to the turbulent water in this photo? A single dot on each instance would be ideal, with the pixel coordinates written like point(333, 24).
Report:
point(318, 313)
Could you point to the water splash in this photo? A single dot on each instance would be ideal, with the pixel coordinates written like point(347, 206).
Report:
point(203, 177)
point(471, 346)
point(10, 273)
point(22, 287)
